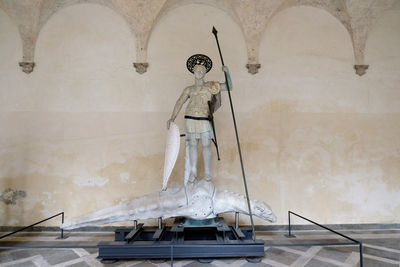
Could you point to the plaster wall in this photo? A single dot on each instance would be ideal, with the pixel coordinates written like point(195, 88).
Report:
point(85, 131)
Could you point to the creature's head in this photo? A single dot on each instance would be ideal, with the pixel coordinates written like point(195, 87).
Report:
point(262, 210)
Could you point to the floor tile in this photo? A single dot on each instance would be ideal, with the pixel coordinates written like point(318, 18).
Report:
point(379, 250)
point(317, 263)
point(376, 263)
point(335, 253)
point(281, 256)
point(79, 264)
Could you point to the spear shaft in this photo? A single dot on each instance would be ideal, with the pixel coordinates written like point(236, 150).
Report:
point(215, 32)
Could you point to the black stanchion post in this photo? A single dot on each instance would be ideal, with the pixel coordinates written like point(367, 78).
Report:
point(289, 235)
point(361, 255)
point(62, 221)
point(27, 227)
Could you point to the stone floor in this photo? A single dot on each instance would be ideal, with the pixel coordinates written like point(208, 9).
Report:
point(381, 248)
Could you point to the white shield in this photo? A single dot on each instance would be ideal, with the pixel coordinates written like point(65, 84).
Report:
point(171, 152)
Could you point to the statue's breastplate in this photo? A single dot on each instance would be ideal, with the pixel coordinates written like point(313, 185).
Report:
point(198, 102)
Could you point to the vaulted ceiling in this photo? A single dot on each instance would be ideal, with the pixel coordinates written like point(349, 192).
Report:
point(253, 16)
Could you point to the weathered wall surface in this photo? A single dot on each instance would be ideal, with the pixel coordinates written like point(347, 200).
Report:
point(84, 130)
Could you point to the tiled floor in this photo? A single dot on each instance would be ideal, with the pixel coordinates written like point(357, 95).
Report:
point(381, 248)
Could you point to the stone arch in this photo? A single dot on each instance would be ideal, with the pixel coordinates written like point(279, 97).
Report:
point(303, 62)
point(26, 64)
point(337, 9)
point(381, 43)
point(322, 13)
point(12, 24)
point(11, 81)
point(382, 52)
point(169, 6)
point(45, 11)
point(50, 7)
point(220, 4)
point(91, 58)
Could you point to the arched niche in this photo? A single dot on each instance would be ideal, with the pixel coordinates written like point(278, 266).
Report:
point(12, 86)
point(306, 56)
point(306, 31)
point(10, 45)
point(382, 53)
point(84, 55)
point(383, 43)
point(49, 7)
point(220, 4)
point(182, 32)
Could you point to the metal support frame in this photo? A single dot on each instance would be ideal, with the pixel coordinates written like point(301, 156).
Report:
point(135, 231)
point(236, 220)
point(27, 227)
point(211, 239)
point(352, 243)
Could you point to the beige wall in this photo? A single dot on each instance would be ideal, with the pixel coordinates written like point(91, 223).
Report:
point(84, 130)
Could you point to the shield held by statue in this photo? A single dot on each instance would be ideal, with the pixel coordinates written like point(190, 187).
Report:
point(171, 152)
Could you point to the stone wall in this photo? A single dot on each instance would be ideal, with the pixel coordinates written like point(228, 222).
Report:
point(85, 130)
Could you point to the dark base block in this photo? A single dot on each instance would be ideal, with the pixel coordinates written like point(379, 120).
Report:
point(209, 250)
point(206, 242)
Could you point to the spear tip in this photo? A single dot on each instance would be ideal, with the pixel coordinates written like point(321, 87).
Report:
point(214, 31)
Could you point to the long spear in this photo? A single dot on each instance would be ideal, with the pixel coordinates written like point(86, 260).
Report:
point(215, 32)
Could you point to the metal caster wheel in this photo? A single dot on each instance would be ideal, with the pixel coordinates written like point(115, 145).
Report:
point(253, 259)
point(105, 261)
point(205, 260)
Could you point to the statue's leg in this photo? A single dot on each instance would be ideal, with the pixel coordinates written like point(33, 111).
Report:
point(207, 154)
point(193, 158)
point(187, 162)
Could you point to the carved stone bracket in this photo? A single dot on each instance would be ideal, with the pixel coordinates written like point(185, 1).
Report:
point(253, 68)
point(27, 67)
point(141, 67)
point(361, 69)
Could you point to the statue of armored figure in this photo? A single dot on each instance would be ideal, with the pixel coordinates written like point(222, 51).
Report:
point(198, 200)
point(198, 113)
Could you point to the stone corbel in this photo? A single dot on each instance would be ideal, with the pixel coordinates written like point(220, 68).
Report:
point(253, 68)
point(141, 67)
point(27, 67)
point(361, 69)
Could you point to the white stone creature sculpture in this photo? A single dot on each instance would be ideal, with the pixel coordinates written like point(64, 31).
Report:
point(199, 200)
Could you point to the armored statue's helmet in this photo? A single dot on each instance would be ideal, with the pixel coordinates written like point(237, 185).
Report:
point(199, 59)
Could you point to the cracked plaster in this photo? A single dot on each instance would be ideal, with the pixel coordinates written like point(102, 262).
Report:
point(10, 196)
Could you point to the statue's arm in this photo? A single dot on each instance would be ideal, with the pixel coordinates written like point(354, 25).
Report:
point(228, 82)
point(178, 105)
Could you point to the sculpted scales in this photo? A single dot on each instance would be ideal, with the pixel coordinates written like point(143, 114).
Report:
point(199, 200)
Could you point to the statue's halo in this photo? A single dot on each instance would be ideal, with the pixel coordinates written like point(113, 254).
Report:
point(199, 59)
